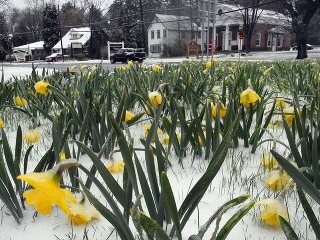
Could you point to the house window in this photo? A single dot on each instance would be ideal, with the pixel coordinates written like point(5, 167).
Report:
point(74, 36)
point(164, 33)
point(155, 48)
point(152, 34)
point(158, 34)
point(258, 39)
point(269, 40)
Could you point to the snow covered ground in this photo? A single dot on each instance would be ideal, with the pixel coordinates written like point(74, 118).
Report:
point(223, 188)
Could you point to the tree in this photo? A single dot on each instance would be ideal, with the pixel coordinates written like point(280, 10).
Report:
point(71, 16)
point(50, 31)
point(301, 12)
point(5, 46)
point(250, 12)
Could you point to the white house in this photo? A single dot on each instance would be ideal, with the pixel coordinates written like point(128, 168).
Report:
point(165, 30)
point(75, 41)
point(30, 51)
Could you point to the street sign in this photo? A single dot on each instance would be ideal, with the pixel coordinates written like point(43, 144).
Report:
point(241, 33)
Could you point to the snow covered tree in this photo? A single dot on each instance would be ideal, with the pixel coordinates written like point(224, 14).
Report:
point(301, 12)
point(50, 31)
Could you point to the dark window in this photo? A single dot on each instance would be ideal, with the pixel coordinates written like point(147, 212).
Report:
point(164, 33)
point(152, 34)
point(155, 48)
point(158, 34)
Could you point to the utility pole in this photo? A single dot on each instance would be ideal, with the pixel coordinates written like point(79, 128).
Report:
point(60, 34)
point(214, 10)
point(91, 37)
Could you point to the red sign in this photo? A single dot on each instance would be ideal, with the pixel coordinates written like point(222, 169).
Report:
point(241, 33)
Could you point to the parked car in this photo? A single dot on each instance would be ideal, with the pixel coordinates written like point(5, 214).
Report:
point(54, 57)
point(128, 54)
point(309, 47)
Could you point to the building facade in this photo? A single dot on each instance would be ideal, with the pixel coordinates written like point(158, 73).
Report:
point(167, 31)
point(270, 32)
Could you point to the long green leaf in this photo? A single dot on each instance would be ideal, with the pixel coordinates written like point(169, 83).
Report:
point(171, 203)
point(298, 177)
point(226, 229)
point(113, 185)
point(287, 229)
point(116, 218)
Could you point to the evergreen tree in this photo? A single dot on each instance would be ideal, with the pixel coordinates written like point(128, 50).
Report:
point(50, 32)
point(5, 46)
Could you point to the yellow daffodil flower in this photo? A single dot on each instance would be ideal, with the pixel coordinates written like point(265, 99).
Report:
point(179, 71)
point(93, 68)
point(274, 123)
point(83, 67)
point(123, 68)
point(248, 97)
point(274, 209)
point(269, 161)
point(155, 98)
point(129, 116)
point(165, 139)
point(277, 180)
point(130, 64)
point(62, 155)
point(200, 141)
point(223, 110)
point(89, 75)
point(156, 68)
point(31, 136)
point(267, 72)
point(21, 102)
point(213, 60)
point(81, 213)
point(73, 68)
point(46, 192)
point(205, 71)
point(41, 87)
point(1, 123)
point(280, 103)
point(147, 129)
point(116, 167)
point(289, 115)
point(208, 64)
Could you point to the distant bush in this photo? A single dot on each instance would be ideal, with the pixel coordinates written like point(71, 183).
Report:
point(79, 57)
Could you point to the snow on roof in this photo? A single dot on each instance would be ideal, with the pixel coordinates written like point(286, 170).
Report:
point(172, 22)
point(266, 16)
point(77, 35)
point(30, 46)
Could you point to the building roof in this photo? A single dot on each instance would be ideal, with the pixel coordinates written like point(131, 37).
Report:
point(228, 11)
point(172, 22)
point(82, 36)
point(30, 46)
